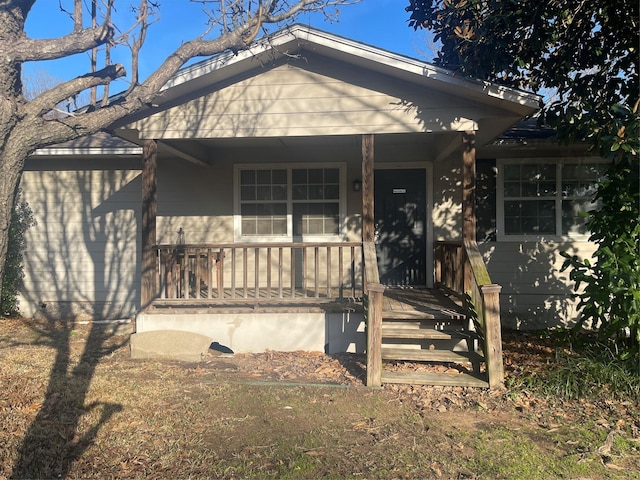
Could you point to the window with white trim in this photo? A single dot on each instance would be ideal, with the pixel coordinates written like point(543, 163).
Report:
point(284, 202)
point(541, 199)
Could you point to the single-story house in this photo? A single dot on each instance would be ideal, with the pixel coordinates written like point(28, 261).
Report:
point(243, 203)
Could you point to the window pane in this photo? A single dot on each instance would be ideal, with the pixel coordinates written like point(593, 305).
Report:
point(248, 177)
point(512, 189)
point(263, 177)
point(247, 193)
point(279, 176)
point(248, 209)
point(332, 192)
point(315, 218)
point(248, 226)
point(529, 217)
point(315, 192)
point(263, 192)
point(300, 192)
point(332, 175)
point(512, 172)
point(315, 175)
point(299, 175)
point(573, 220)
point(279, 192)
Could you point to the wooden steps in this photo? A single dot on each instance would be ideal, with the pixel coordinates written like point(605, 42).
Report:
point(426, 333)
point(426, 328)
point(439, 379)
point(439, 356)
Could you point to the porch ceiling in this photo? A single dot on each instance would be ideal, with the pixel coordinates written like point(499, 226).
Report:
point(389, 147)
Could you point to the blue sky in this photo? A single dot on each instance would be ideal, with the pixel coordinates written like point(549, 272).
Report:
point(381, 23)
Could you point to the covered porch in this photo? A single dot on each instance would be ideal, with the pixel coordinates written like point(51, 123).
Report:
point(330, 292)
point(286, 187)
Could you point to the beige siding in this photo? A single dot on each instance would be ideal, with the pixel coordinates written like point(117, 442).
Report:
point(447, 195)
point(535, 294)
point(201, 200)
point(296, 100)
point(82, 255)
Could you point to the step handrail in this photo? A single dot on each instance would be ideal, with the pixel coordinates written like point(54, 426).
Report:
point(484, 296)
point(461, 268)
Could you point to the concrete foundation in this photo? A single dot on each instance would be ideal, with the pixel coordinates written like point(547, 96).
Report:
point(256, 332)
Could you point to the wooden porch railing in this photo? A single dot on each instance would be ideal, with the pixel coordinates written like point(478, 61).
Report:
point(460, 268)
point(265, 272)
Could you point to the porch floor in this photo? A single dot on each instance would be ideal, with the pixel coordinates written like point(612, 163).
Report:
point(406, 302)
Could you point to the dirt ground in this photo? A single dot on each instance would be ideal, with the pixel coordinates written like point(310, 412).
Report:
point(75, 405)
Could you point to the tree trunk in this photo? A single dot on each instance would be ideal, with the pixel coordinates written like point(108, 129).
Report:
point(11, 158)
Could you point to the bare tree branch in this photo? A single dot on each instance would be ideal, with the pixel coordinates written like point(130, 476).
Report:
point(48, 49)
point(44, 102)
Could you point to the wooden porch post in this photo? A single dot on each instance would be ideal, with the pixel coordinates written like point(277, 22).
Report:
point(149, 275)
point(373, 289)
point(468, 197)
point(367, 188)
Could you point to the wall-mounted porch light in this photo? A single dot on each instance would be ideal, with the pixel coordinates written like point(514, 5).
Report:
point(357, 185)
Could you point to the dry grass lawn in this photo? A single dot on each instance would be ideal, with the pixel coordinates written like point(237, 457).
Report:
point(74, 405)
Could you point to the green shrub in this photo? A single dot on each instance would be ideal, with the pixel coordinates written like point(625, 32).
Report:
point(610, 300)
point(21, 220)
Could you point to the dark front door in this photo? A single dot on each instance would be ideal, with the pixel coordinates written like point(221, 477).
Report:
point(400, 225)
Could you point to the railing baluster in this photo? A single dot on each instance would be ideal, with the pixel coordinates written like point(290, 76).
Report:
point(245, 279)
point(353, 272)
point(329, 294)
point(268, 272)
point(233, 273)
point(256, 280)
point(209, 271)
point(316, 257)
point(220, 272)
point(304, 272)
point(280, 272)
point(340, 273)
point(292, 268)
point(185, 275)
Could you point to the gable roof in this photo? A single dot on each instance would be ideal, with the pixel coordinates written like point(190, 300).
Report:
point(505, 106)
point(297, 38)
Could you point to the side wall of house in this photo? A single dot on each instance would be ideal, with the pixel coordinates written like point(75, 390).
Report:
point(535, 293)
point(82, 258)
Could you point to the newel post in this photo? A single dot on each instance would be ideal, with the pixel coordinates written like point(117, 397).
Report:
point(148, 264)
point(493, 335)
point(374, 335)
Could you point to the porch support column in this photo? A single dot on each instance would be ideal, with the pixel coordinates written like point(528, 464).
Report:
point(367, 188)
point(149, 275)
point(468, 197)
point(469, 186)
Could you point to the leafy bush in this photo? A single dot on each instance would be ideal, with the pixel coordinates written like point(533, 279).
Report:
point(610, 301)
point(21, 220)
